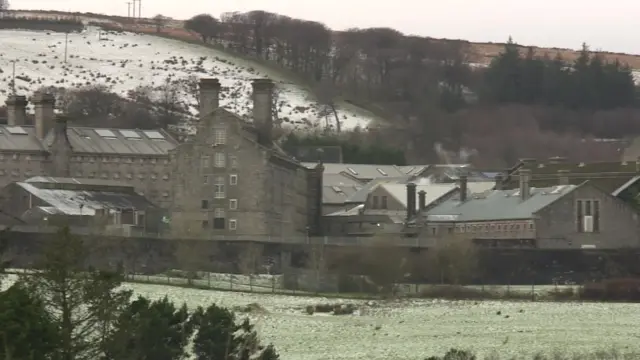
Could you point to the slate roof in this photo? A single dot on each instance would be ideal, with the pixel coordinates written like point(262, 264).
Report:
point(361, 195)
point(19, 138)
point(497, 205)
point(433, 191)
point(339, 180)
point(334, 194)
point(118, 141)
point(90, 140)
point(84, 202)
point(360, 171)
point(607, 176)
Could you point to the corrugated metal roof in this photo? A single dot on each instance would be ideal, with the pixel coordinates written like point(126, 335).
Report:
point(12, 139)
point(118, 141)
point(498, 205)
point(80, 202)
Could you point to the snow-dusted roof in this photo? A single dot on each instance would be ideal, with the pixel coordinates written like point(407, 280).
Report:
point(85, 202)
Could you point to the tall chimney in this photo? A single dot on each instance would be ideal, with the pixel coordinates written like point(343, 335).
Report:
point(16, 110)
point(43, 104)
point(563, 177)
point(262, 117)
point(209, 96)
point(422, 200)
point(463, 188)
point(499, 182)
point(60, 149)
point(411, 200)
point(525, 177)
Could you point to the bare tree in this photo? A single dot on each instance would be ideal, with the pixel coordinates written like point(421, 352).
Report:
point(454, 262)
point(160, 21)
point(326, 94)
point(384, 264)
point(193, 256)
point(4, 5)
point(249, 260)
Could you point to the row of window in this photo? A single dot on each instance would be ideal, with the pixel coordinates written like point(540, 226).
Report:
point(117, 175)
point(233, 205)
point(485, 228)
point(219, 184)
point(118, 159)
point(16, 173)
point(17, 157)
point(219, 161)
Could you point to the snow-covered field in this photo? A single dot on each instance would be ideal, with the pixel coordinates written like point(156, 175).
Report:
point(124, 61)
point(414, 329)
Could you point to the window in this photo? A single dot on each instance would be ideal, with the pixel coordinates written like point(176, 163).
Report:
point(219, 219)
point(204, 204)
point(375, 202)
point(220, 136)
point(205, 179)
point(384, 202)
point(218, 187)
point(205, 224)
point(233, 179)
point(165, 177)
point(234, 161)
point(433, 230)
point(587, 216)
point(219, 160)
point(204, 162)
point(233, 224)
point(233, 204)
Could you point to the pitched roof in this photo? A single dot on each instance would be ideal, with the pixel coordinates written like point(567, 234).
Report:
point(433, 191)
point(497, 205)
point(118, 141)
point(19, 138)
point(361, 195)
point(85, 202)
point(339, 180)
point(335, 194)
point(361, 171)
point(607, 176)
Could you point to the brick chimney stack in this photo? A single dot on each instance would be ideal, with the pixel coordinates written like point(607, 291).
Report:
point(44, 104)
point(16, 110)
point(262, 117)
point(209, 96)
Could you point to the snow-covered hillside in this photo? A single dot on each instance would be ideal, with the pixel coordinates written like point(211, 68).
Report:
point(124, 61)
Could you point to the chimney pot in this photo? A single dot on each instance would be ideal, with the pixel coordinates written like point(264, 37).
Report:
point(16, 110)
point(525, 177)
point(44, 104)
point(209, 96)
point(411, 200)
point(463, 188)
point(563, 177)
point(262, 116)
point(422, 200)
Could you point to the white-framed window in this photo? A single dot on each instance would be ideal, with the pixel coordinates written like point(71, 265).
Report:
point(233, 179)
point(220, 136)
point(233, 224)
point(218, 187)
point(204, 161)
point(233, 204)
point(219, 219)
point(219, 160)
point(234, 161)
point(205, 179)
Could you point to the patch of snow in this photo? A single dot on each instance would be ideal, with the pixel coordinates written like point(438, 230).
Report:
point(415, 329)
point(123, 61)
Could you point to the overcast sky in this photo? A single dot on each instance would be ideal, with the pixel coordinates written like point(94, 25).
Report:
point(560, 23)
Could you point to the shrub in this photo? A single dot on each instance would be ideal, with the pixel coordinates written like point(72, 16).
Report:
point(623, 289)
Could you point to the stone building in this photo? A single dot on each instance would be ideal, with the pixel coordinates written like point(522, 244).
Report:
point(231, 179)
point(49, 146)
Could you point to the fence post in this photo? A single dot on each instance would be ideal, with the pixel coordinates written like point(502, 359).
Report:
point(208, 279)
point(533, 291)
point(230, 281)
point(273, 284)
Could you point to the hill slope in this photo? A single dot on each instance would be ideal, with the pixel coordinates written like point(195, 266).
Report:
point(123, 61)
